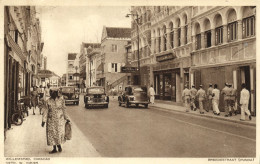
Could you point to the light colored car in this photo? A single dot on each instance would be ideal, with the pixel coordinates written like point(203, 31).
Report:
point(96, 97)
point(134, 95)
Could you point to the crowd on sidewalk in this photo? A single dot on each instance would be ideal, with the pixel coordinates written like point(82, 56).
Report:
point(211, 98)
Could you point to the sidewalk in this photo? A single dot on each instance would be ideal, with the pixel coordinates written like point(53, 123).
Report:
point(29, 140)
point(178, 107)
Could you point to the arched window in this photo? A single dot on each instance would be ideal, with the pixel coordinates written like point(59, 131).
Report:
point(207, 33)
point(219, 29)
point(154, 42)
point(198, 37)
point(232, 25)
point(185, 29)
point(248, 22)
point(164, 38)
point(159, 41)
point(179, 32)
point(171, 35)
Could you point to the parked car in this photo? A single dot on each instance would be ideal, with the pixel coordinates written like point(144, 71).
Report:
point(95, 97)
point(134, 95)
point(70, 95)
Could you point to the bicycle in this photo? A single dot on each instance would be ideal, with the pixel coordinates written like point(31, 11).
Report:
point(17, 116)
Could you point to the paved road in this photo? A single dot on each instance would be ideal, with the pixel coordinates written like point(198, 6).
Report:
point(139, 132)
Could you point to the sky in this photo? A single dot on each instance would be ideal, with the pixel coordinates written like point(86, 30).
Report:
point(65, 28)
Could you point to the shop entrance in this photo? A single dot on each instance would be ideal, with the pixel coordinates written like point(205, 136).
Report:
point(244, 77)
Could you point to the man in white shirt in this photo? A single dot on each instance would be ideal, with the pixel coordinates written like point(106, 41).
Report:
point(215, 99)
point(151, 94)
point(186, 98)
point(244, 100)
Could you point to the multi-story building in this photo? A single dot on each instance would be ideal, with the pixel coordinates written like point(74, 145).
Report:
point(198, 45)
point(22, 48)
point(113, 43)
point(93, 62)
point(72, 78)
point(224, 48)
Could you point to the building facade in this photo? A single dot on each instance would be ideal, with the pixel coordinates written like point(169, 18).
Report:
point(194, 45)
point(72, 78)
point(22, 55)
point(112, 57)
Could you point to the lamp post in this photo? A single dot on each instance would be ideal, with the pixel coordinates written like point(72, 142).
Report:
point(138, 55)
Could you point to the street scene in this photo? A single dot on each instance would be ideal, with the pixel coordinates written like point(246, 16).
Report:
point(130, 81)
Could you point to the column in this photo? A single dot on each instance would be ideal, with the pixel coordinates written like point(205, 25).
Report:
point(157, 45)
point(193, 38)
point(252, 90)
point(239, 29)
point(162, 42)
point(176, 38)
point(182, 36)
point(189, 38)
point(178, 88)
point(213, 37)
point(224, 34)
point(191, 79)
point(235, 78)
point(202, 39)
point(168, 46)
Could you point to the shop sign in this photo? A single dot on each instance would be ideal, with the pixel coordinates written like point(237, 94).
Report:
point(166, 66)
point(166, 57)
point(128, 69)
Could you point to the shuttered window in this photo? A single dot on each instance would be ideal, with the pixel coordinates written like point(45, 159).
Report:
point(232, 31)
point(219, 35)
point(248, 27)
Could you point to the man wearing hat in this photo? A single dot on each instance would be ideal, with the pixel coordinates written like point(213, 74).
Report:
point(186, 97)
point(201, 94)
point(226, 92)
point(209, 94)
point(233, 98)
point(193, 92)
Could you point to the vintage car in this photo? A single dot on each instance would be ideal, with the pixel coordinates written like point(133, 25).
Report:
point(70, 95)
point(134, 95)
point(95, 97)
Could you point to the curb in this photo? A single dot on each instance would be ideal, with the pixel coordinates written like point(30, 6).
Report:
point(204, 115)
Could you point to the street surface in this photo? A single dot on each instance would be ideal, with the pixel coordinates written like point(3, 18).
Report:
point(139, 132)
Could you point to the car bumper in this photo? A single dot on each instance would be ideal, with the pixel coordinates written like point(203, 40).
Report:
point(139, 102)
point(69, 101)
point(97, 103)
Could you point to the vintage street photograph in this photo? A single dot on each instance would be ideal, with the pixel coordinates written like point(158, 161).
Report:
point(130, 81)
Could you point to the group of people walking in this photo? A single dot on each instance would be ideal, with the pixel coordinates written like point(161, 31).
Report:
point(211, 98)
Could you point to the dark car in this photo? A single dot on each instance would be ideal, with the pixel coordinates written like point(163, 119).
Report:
point(134, 95)
point(70, 95)
point(95, 97)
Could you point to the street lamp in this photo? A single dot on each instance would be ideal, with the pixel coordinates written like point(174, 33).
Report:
point(138, 55)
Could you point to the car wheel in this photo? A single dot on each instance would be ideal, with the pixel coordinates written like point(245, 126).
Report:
point(87, 106)
point(77, 103)
point(146, 105)
point(106, 106)
point(127, 104)
point(137, 105)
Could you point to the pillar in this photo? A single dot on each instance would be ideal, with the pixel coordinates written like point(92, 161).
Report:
point(157, 45)
point(168, 45)
point(193, 43)
point(235, 78)
point(239, 29)
point(252, 90)
point(213, 37)
point(162, 42)
point(224, 34)
point(191, 79)
point(178, 88)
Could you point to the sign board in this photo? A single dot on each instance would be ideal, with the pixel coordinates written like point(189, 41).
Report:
point(128, 69)
point(165, 57)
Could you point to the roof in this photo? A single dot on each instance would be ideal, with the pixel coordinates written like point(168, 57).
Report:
point(72, 56)
point(118, 32)
point(92, 45)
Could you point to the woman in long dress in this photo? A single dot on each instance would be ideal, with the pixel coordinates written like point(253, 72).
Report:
point(55, 118)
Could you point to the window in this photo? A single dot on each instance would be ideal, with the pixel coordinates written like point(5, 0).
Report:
point(164, 38)
point(198, 41)
point(179, 36)
point(16, 36)
point(232, 31)
point(114, 67)
point(171, 36)
point(159, 41)
point(219, 35)
point(70, 77)
point(208, 38)
point(186, 34)
point(114, 48)
point(248, 27)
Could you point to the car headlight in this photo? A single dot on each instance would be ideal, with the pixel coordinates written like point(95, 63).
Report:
point(132, 98)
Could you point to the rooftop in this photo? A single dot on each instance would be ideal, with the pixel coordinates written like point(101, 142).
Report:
point(118, 32)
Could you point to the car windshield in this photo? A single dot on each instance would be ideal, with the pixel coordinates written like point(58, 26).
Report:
point(96, 90)
point(139, 89)
point(67, 90)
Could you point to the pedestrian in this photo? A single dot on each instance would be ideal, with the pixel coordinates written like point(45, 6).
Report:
point(215, 99)
point(186, 98)
point(226, 93)
point(47, 92)
point(113, 91)
point(209, 96)
point(233, 99)
point(244, 100)
point(151, 94)
point(34, 98)
point(55, 117)
point(193, 93)
point(201, 94)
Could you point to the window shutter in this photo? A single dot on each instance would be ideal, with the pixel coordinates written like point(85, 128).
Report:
point(109, 67)
point(243, 28)
point(228, 32)
point(216, 36)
